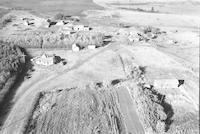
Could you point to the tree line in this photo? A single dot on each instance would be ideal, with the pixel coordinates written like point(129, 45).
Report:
point(49, 39)
point(11, 63)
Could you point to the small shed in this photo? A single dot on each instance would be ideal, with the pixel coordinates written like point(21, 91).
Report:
point(166, 83)
point(25, 23)
point(78, 27)
point(131, 38)
point(28, 23)
point(75, 48)
point(60, 23)
point(67, 32)
point(67, 27)
point(92, 47)
point(45, 24)
point(64, 31)
point(86, 28)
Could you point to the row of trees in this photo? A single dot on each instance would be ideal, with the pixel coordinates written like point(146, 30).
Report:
point(50, 39)
point(149, 103)
point(11, 62)
point(149, 106)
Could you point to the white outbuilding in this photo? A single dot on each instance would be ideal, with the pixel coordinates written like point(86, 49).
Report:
point(60, 23)
point(67, 27)
point(86, 28)
point(166, 83)
point(131, 38)
point(25, 23)
point(78, 27)
point(92, 47)
point(81, 28)
point(75, 48)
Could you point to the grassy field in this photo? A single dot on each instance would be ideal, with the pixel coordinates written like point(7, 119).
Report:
point(77, 111)
point(52, 6)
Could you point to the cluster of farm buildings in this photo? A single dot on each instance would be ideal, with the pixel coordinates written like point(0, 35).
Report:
point(65, 24)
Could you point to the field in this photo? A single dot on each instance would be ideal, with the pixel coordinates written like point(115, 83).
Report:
point(77, 111)
point(51, 7)
point(135, 47)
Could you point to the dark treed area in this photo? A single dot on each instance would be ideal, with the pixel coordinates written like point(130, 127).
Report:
point(11, 63)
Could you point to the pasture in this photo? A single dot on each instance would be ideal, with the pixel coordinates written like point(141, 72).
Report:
point(51, 7)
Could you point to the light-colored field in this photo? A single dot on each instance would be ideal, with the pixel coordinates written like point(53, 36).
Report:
point(51, 7)
point(189, 7)
point(77, 111)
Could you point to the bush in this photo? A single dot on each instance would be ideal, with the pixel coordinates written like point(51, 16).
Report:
point(149, 103)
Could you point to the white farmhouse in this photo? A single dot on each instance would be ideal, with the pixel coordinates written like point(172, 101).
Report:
point(44, 59)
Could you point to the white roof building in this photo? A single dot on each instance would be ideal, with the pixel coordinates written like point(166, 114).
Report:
point(75, 48)
point(60, 23)
point(64, 31)
point(44, 59)
point(78, 27)
point(81, 28)
point(92, 47)
point(67, 27)
point(131, 38)
point(86, 28)
point(25, 23)
point(166, 83)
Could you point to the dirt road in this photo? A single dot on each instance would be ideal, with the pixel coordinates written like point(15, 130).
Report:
point(133, 124)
